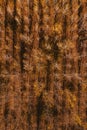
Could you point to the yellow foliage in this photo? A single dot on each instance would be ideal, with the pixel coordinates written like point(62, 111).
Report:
point(57, 28)
point(78, 120)
point(38, 88)
point(70, 98)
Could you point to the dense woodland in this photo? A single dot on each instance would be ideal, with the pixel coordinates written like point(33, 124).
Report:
point(43, 64)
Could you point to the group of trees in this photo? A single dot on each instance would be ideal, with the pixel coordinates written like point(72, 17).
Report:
point(43, 65)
